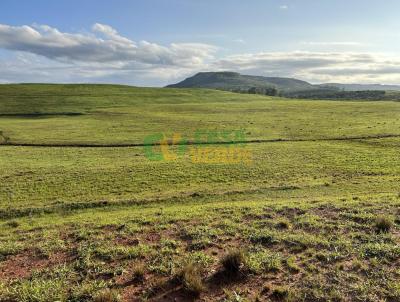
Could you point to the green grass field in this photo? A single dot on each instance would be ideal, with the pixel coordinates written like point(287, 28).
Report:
point(86, 216)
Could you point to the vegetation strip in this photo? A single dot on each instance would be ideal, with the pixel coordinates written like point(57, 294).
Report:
point(258, 141)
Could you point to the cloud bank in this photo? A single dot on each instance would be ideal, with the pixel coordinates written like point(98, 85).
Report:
point(319, 67)
point(43, 53)
point(111, 47)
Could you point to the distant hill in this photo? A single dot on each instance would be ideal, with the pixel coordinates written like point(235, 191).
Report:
point(233, 81)
point(362, 87)
point(288, 87)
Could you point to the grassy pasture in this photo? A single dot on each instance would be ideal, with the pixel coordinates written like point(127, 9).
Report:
point(103, 114)
point(316, 218)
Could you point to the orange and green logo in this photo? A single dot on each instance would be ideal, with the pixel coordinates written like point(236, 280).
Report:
point(205, 146)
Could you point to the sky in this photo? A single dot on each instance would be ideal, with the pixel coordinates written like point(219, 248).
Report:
point(159, 42)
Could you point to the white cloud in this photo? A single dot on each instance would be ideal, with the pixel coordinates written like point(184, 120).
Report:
point(111, 33)
point(23, 67)
point(342, 43)
point(41, 53)
point(317, 66)
point(284, 6)
point(49, 42)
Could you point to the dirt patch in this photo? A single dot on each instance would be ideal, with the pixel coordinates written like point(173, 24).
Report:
point(153, 237)
point(290, 212)
point(22, 265)
point(126, 241)
point(327, 211)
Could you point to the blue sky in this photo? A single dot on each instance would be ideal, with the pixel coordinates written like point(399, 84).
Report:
point(156, 42)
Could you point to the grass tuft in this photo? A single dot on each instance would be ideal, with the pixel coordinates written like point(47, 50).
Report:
point(12, 224)
point(233, 261)
point(139, 272)
point(190, 276)
point(281, 293)
point(283, 224)
point(383, 224)
point(292, 265)
point(107, 295)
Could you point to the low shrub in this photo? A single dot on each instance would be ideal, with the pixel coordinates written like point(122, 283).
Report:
point(233, 261)
point(383, 224)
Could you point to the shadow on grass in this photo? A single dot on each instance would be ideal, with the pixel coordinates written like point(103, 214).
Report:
point(39, 114)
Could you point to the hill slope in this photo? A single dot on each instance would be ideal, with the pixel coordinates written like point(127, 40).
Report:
point(233, 81)
point(288, 87)
point(115, 115)
point(362, 87)
point(316, 202)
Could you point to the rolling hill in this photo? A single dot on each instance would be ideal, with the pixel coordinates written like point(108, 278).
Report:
point(362, 87)
point(86, 214)
point(234, 81)
point(288, 87)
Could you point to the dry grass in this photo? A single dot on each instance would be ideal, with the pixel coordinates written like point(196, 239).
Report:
point(233, 261)
point(139, 272)
point(383, 224)
point(107, 296)
point(190, 276)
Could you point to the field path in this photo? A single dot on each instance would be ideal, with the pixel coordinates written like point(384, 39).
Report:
point(171, 143)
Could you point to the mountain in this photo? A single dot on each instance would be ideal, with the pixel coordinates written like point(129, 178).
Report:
point(362, 87)
point(288, 87)
point(233, 81)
